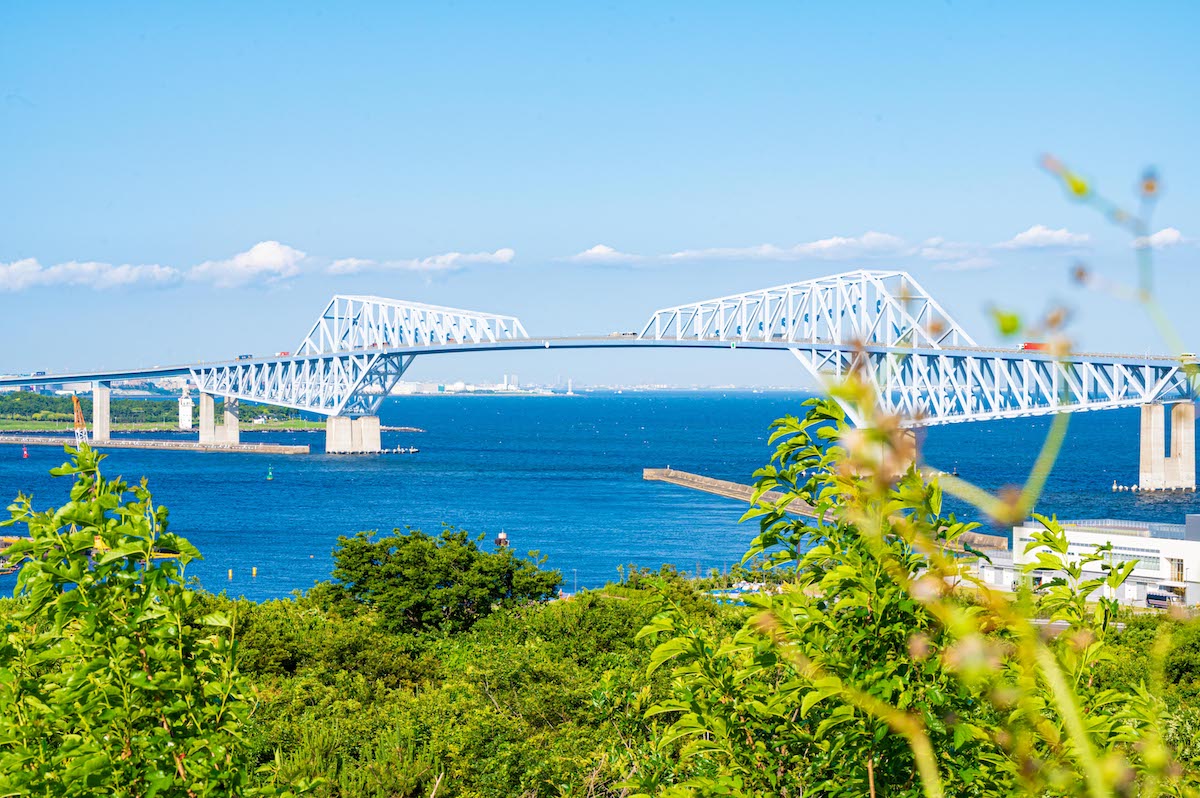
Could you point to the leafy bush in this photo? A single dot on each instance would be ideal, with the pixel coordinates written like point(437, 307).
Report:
point(105, 685)
point(509, 707)
point(419, 583)
point(870, 674)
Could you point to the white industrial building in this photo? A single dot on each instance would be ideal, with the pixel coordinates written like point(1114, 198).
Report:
point(1168, 556)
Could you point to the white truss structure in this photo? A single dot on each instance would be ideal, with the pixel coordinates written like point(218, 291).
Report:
point(883, 326)
point(928, 387)
point(352, 323)
point(865, 307)
point(348, 363)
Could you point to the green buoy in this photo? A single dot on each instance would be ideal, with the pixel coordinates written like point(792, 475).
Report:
point(270, 474)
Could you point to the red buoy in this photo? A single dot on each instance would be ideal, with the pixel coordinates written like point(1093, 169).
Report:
point(24, 453)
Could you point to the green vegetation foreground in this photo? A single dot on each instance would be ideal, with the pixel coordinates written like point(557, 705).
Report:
point(432, 668)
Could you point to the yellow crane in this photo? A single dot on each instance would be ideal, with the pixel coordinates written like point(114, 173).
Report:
point(80, 426)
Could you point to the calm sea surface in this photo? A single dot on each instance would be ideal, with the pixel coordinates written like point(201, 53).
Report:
point(562, 475)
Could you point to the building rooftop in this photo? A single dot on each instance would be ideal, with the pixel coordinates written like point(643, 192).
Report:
point(1113, 526)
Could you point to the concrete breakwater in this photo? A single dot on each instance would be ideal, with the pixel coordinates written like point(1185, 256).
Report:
point(745, 493)
point(147, 443)
point(721, 487)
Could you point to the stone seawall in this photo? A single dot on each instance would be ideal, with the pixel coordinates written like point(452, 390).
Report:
point(720, 487)
point(735, 490)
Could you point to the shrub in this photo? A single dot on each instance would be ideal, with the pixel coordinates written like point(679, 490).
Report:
point(105, 686)
point(420, 583)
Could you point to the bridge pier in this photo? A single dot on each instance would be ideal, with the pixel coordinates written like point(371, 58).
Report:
point(346, 435)
point(230, 432)
point(210, 431)
point(185, 410)
point(101, 415)
point(208, 422)
point(1176, 471)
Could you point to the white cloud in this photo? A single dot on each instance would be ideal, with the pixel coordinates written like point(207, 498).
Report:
point(1167, 237)
point(939, 249)
point(446, 262)
point(602, 253)
point(945, 254)
point(29, 273)
point(966, 264)
point(350, 265)
point(267, 260)
point(1041, 237)
point(870, 244)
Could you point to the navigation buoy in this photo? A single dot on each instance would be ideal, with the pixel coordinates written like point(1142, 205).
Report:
point(270, 474)
point(24, 452)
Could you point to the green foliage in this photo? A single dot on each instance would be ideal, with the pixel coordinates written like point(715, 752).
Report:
point(1182, 665)
point(419, 583)
point(29, 406)
point(510, 707)
point(248, 411)
point(868, 673)
point(106, 686)
point(433, 667)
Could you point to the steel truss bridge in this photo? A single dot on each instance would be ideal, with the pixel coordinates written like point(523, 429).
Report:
point(881, 325)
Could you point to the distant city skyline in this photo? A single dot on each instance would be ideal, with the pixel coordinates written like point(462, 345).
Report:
point(189, 183)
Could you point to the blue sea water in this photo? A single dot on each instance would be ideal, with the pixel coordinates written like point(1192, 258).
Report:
point(561, 475)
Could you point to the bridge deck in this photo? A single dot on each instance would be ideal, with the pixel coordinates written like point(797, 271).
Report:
point(622, 341)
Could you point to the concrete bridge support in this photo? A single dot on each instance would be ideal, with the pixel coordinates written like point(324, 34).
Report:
point(345, 435)
point(230, 432)
point(210, 431)
point(208, 422)
point(101, 415)
point(1176, 471)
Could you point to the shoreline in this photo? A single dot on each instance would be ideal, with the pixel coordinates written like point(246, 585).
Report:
point(144, 443)
point(49, 427)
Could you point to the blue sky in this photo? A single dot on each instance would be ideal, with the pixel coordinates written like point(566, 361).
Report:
point(194, 182)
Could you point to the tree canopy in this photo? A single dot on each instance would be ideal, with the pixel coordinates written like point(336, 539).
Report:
point(418, 582)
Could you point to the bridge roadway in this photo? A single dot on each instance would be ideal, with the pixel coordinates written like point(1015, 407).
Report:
point(624, 341)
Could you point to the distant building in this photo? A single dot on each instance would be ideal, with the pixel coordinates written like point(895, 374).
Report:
point(185, 409)
point(1167, 555)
